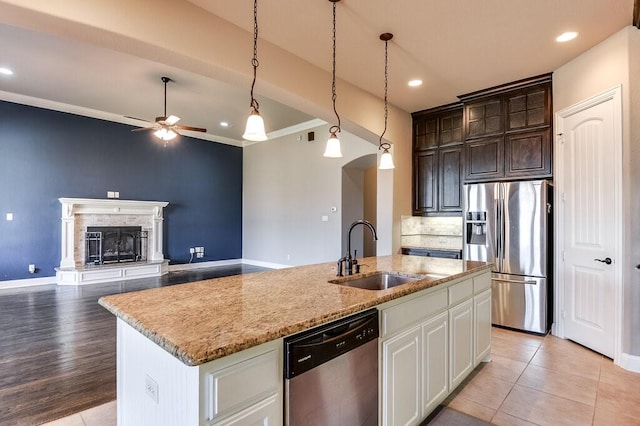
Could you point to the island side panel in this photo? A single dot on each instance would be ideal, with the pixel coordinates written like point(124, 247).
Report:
point(154, 388)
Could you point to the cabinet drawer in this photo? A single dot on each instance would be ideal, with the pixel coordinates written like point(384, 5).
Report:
point(399, 317)
point(235, 387)
point(481, 283)
point(461, 291)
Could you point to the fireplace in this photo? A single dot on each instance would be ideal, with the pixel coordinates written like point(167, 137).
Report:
point(115, 244)
point(106, 240)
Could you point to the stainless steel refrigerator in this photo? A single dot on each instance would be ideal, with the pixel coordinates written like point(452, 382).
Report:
point(510, 224)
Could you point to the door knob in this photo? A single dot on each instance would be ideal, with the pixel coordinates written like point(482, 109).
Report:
point(606, 260)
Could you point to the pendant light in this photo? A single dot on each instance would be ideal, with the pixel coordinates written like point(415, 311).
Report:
point(333, 144)
point(255, 125)
point(386, 160)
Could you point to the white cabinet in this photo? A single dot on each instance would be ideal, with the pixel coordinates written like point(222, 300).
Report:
point(401, 368)
point(461, 342)
point(431, 341)
point(435, 380)
point(243, 389)
point(157, 389)
point(266, 412)
point(482, 324)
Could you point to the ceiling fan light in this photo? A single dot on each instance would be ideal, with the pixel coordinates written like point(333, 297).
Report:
point(255, 128)
point(165, 134)
point(332, 149)
point(386, 161)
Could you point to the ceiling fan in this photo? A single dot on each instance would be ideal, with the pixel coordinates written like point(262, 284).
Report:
point(165, 127)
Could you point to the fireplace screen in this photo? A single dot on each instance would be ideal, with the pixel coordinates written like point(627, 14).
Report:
point(115, 244)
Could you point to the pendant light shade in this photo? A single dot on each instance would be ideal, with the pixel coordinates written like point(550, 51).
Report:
point(333, 147)
point(255, 128)
point(255, 124)
point(386, 160)
point(333, 144)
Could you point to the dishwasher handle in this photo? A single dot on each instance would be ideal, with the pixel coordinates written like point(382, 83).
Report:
point(310, 349)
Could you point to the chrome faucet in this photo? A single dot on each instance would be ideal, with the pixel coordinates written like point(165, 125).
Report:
point(351, 262)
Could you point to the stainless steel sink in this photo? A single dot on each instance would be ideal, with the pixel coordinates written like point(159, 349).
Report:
point(377, 281)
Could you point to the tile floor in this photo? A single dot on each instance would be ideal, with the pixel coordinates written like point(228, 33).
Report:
point(531, 380)
point(534, 380)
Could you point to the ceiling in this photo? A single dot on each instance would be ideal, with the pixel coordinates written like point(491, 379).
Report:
point(454, 46)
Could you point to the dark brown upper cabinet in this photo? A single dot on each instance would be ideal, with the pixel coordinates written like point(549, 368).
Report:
point(508, 131)
point(437, 160)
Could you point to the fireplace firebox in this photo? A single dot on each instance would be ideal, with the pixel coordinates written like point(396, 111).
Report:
point(115, 244)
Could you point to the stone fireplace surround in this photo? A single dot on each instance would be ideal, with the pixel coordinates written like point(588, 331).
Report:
point(80, 213)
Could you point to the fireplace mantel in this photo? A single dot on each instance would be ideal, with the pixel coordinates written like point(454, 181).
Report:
point(76, 212)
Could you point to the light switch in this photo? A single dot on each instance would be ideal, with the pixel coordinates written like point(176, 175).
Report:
point(116, 194)
point(9, 216)
point(325, 218)
point(110, 194)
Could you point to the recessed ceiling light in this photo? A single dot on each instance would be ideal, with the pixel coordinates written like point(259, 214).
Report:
point(569, 35)
point(415, 83)
point(5, 71)
point(224, 124)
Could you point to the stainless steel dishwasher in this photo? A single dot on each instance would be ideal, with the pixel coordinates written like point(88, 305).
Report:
point(331, 373)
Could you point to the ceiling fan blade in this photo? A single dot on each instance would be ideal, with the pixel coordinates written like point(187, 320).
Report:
point(171, 120)
point(142, 129)
point(192, 129)
point(136, 118)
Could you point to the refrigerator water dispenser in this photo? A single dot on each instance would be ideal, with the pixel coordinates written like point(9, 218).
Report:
point(477, 228)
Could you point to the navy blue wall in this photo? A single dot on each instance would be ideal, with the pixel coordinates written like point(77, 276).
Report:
point(46, 155)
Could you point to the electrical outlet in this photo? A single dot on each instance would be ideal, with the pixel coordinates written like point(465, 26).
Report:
point(151, 388)
point(32, 268)
point(192, 250)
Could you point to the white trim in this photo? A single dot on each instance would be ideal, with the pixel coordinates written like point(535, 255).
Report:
point(102, 115)
point(614, 94)
point(27, 282)
point(629, 362)
point(199, 265)
point(265, 264)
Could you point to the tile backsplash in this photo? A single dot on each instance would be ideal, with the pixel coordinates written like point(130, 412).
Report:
point(437, 232)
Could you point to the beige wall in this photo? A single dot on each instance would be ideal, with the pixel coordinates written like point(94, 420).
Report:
point(287, 187)
point(614, 62)
point(180, 34)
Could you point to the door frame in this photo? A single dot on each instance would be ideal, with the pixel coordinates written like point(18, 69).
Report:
point(614, 94)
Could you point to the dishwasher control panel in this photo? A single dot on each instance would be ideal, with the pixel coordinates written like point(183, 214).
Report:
point(312, 348)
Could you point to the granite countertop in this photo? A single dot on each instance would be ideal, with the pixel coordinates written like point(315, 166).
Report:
point(206, 320)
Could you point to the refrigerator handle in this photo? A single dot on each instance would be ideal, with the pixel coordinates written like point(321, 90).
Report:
point(497, 218)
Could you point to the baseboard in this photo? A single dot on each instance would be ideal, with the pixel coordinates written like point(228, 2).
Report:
point(198, 265)
point(27, 282)
point(629, 362)
point(265, 264)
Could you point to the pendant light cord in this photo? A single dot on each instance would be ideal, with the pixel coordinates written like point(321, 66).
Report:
point(334, 96)
point(385, 145)
point(254, 61)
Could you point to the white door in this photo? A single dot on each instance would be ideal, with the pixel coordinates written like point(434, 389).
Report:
point(401, 379)
point(435, 353)
point(590, 218)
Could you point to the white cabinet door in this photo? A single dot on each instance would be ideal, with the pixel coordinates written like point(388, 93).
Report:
point(266, 412)
point(435, 354)
point(401, 379)
point(482, 313)
point(461, 342)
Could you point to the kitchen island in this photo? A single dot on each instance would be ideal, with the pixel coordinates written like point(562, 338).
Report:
point(210, 352)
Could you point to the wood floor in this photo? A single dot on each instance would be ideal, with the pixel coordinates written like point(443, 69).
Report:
point(58, 346)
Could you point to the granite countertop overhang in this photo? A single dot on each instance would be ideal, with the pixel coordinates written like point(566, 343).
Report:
point(202, 321)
